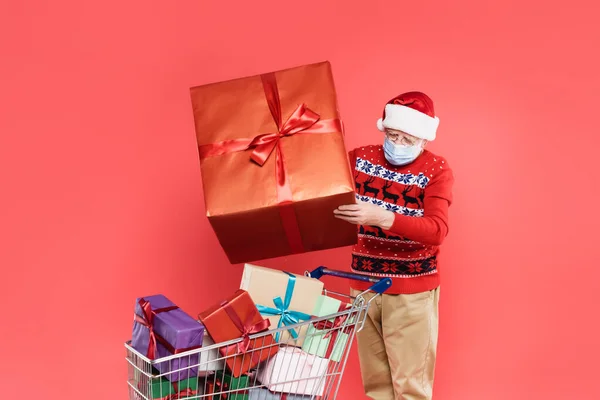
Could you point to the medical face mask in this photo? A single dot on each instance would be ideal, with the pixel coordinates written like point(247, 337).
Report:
point(398, 154)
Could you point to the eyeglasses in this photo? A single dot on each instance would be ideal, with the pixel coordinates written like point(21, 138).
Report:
point(402, 138)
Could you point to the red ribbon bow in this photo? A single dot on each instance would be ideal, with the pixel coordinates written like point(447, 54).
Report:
point(147, 320)
point(334, 329)
point(246, 328)
point(303, 120)
point(221, 387)
point(180, 395)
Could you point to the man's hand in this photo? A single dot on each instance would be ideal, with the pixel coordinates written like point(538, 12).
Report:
point(363, 213)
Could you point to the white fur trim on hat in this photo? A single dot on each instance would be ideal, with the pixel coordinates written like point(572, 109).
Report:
point(409, 120)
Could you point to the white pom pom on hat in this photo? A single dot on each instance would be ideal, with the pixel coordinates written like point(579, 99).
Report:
point(410, 112)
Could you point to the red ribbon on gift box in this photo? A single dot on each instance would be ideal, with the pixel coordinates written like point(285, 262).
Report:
point(222, 387)
point(303, 120)
point(179, 394)
point(147, 320)
point(246, 329)
point(334, 328)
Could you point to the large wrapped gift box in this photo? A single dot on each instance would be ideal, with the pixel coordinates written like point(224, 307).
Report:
point(273, 162)
point(161, 329)
point(292, 370)
point(285, 298)
point(328, 338)
point(237, 317)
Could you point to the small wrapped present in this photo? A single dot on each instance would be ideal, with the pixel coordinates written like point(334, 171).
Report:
point(292, 370)
point(328, 338)
point(274, 164)
point(284, 298)
point(237, 317)
point(162, 329)
point(210, 360)
point(162, 389)
point(231, 388)
point(265, 394)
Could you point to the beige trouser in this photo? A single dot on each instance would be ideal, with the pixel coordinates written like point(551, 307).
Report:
point(397, 346)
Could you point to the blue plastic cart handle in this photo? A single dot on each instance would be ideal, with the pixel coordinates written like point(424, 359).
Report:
point(379, 285)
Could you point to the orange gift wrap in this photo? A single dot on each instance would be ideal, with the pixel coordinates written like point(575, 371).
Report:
point(238, 317)
point(273, 162)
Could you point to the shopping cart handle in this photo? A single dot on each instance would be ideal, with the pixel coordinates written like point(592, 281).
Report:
point(380, 285)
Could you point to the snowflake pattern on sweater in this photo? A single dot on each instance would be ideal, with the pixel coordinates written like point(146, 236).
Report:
point(380, 171)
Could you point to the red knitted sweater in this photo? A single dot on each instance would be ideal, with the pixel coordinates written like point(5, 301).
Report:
point(420, 194)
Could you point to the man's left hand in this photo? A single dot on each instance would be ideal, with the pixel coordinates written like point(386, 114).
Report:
point(363, 213)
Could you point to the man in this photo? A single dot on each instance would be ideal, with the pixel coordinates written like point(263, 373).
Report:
point(403, 193)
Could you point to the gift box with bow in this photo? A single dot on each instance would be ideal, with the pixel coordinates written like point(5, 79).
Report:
point(237, 317)
point(328, 338)
point(284, 298)
point(273, 162)
point(162, 329)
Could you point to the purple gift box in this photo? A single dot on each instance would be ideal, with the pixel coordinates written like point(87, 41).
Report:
point(173, 325)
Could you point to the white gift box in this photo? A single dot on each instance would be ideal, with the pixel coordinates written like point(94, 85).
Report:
point(292, 370)
point(210, 360)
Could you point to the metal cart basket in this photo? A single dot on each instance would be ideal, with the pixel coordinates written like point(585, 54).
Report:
point(290, 374)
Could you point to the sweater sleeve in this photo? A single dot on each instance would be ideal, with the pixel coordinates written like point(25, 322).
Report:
point(432, 228)
point(352, 160)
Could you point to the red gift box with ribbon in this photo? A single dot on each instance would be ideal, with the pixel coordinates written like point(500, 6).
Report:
point(238, 317)
point(274, 164)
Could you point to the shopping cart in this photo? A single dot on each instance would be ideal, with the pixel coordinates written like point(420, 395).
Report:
point(290, 374)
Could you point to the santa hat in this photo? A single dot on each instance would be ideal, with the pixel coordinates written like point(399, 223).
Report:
point(411, 112)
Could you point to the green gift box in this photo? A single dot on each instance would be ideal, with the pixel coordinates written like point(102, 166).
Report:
point(234, 388)
point(319, 338)
point(161, 388)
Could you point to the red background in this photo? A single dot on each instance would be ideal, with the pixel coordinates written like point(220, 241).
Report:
point(102, 200)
